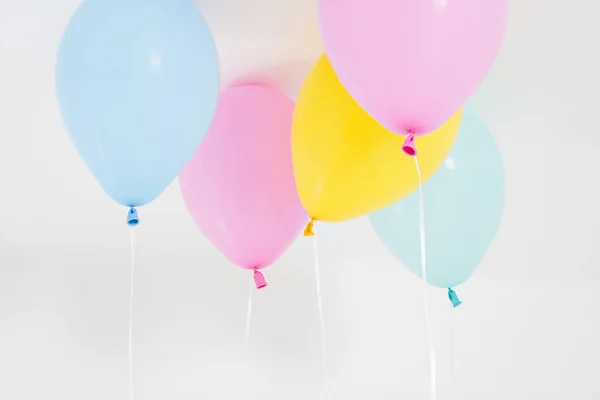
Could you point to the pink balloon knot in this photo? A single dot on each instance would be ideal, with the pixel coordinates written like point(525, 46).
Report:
point(259, 279)
point(409, 145)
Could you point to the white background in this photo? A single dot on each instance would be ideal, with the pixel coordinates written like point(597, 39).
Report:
point(529, 326)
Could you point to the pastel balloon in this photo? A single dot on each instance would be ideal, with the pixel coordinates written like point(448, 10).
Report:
point(463, 205)
point(137, 83)
point(346, 164)
point(239, 187)
point(412, 63)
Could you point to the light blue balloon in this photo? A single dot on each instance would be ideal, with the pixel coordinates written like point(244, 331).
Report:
point(137, 84)
point(463, 204)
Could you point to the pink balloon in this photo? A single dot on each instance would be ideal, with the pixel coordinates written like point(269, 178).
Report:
point(239, 186)
point(412, 64)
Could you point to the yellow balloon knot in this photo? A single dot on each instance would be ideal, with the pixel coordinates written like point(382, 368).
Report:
point(308, 231)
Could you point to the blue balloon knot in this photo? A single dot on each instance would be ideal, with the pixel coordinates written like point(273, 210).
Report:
point(132, 217)
point(454, 298)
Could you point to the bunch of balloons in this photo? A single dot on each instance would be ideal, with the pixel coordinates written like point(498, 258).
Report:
point(404, 67)
point(138, 89)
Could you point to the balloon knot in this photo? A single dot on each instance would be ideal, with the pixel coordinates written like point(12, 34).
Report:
point(132, 217)
point(409, 145)
point(259, 279)
point(453, 298)
point(308, 231)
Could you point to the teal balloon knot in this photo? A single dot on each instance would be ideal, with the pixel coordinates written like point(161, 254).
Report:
point(454, 298)
point(132, 217)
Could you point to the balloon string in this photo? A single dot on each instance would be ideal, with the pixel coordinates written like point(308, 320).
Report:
point(248, 317)
point(432, 366)
point(321, 319)
point(131, 286)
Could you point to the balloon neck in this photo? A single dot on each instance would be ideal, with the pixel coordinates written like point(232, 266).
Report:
point(409, 145)
point(132, 217)
point(453, 298)
point(259, 279)
point(308, 231)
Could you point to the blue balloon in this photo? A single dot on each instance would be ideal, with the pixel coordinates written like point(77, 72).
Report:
point(137, 83)
point(463, 204)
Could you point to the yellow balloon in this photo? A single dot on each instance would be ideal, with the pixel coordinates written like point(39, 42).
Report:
point(346, 164)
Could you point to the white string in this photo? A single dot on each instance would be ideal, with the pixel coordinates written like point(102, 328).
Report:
point(132, 269)
point(321, 319)
point(248, 317)
point(432, 366)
